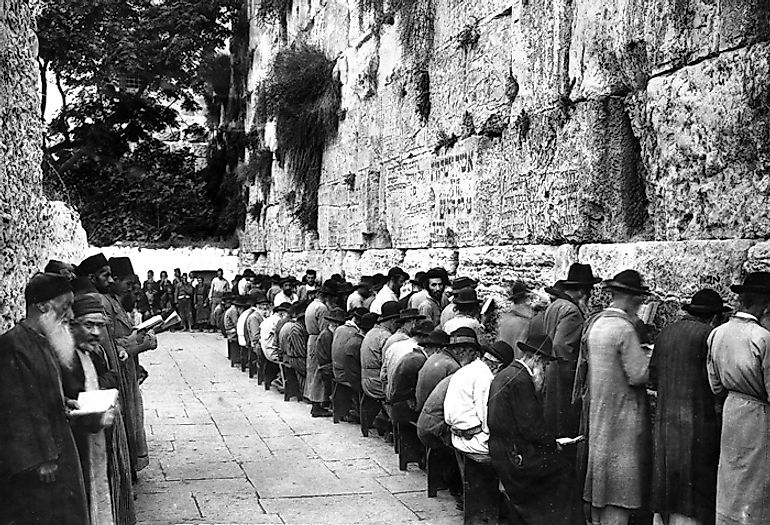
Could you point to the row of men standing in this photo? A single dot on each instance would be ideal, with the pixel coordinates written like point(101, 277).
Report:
point(59, 465)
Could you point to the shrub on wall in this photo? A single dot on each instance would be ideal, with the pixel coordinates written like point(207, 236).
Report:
point(303, 96)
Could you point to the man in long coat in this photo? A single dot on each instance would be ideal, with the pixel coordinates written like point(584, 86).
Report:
point(537, 475)
point(739, 364)
point(323, 359)
point(315, 389)
point(619, 435)
point(563, 323)
point(686, 429)
point(41, 481)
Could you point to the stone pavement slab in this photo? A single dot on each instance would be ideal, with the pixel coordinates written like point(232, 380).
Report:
point(223, 450)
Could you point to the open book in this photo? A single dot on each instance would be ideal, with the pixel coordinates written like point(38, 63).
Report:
point(158, 324)
point(95, 402)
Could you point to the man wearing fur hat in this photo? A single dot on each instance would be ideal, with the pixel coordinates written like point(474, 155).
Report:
point(739, 364)
point(41, 480)
point(619, 436)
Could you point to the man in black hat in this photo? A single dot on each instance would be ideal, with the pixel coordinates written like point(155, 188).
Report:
point(563, 323)
point(619, 435)
point(323, 359)
point(295, 353)
point(371, 363)
point(460, 283)
point(287, 293)
point(513, 326)
point(537, 477)
point(463, 347)
point(466, 313)
point(363, 296)
point(391, 291)
point(41, 480)
point(62, 268)
point(686, 429)
point(465, 404)
point(739, 364)
point(326, 297)
point(341, 392)
point(352, 369)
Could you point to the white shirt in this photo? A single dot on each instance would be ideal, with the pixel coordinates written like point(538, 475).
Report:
point(463, 321)
point(240, 326)
point(465, 406)
point(218, 286)
point(418, 298)
point(281, 298)
point(267, 337)
point(243, 287)
point(383, 296)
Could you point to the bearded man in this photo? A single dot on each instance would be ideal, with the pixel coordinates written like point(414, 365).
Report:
point(537, 476)
point(41, 481)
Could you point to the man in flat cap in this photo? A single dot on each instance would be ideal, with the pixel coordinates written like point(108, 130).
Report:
point(739, 365)
point(686, 429)
point(41, 481)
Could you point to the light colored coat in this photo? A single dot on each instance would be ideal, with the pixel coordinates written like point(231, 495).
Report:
point(315, 324)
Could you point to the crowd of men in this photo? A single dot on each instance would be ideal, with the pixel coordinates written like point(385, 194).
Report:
point(557, 406)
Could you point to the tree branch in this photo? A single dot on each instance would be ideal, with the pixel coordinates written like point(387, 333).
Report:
point(43, 67)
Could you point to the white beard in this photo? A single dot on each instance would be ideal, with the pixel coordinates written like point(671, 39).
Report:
point(59, 337)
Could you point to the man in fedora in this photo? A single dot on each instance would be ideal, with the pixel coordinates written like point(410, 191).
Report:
point(462, 348)
point(538, 478)
point(237, 307)
point(323, 359)
point(467, 310)
point(326, 296)
point(393, 354)
point(371, 363)
point(513, 326)
point(686, 429)
point(362, 297)
point(448, 312)
point(390, 292)
point(465, 404)
point(407, 320)
point(617, 477)
point(739, 364)
point(563, 322)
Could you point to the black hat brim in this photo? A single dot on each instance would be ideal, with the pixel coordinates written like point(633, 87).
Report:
point(524, 347)
point(740, 288)
point(704, 309)
point(590, 282)
point(614, 285)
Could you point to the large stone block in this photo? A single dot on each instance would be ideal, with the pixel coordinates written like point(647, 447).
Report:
point(423, 260)
point(379, 261)
point(758, 259)
point(674, 270)
point(500, 266)
point(706, 147)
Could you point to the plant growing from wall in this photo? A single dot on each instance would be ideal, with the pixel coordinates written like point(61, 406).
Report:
point(303, 96)
point(468, 36)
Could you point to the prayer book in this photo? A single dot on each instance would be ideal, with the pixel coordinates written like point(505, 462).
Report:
point(96, 402)
point(158, 324)
point(149, 324)
point(570, 441)
point(171, 320)
point(647, 312)
point(487, 305)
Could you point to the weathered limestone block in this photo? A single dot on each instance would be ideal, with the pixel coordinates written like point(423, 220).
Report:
point(673, 269)
point(616, 46)
point(423, 260)
point(454, 15)
point(500, 266)
point(351, 267)
point(379, 261)
point(706, 146)
point(64, 236)
point(758, 259)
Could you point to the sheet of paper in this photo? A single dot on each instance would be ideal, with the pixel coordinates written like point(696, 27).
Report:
point(96, 401)
point(150, 323)
point(570, 441)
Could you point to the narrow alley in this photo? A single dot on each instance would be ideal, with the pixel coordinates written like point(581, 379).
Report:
point(225, 451)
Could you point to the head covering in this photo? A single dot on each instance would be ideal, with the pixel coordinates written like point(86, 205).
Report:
point(378, 278)
point(756, 282)
point(466, 296)
point(463, 282)
point(390, 310)
point(258, 297)
point(298, 309)
point(502, 351)
point(329, 287)
point(346, 288)
point(518, 290)
point(463, 336)
point(45, 286)
point(437, 338)
point(357, 313)
point(92, 264)
point(397, 272)
point(419, 278)
point(630, 281)
point(538, 343)
point(368, 321)
point(579, 275)
point(87, 304)
point(285, 280)
point(706, 301)
point(55, 266)
point(241, 300)
point(365, 281)
point(283, 307)
point(409, 314)
point(424, 327)
point(335, 315)
point(121, 267)
point(83, 285)
point(248, 272)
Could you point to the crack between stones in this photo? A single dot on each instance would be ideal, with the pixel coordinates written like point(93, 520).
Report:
point(709, 56)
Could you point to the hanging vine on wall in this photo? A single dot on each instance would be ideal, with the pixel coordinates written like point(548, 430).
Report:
point(303, 97)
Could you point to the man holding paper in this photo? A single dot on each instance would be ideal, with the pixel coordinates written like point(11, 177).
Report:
point(40, 477)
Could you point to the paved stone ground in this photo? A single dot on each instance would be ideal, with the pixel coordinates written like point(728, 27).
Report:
point(224, 451)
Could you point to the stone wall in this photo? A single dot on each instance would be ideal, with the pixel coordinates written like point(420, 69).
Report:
point(625, 134)
point(32, 229)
